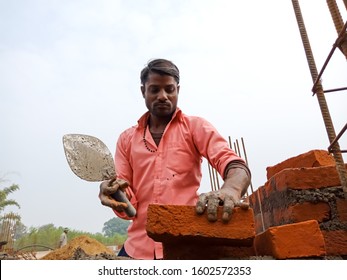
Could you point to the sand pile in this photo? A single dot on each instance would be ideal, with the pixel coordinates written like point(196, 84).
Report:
point(81, 247)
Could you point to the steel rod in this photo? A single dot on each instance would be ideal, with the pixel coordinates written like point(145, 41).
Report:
point(246, 159)
point(335, 45)
point(336, 89)
point(321, 98)
point(337, 138)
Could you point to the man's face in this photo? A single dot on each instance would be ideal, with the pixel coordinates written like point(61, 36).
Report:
point(161, 94)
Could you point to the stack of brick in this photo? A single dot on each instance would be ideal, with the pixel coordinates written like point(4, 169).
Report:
point(188, 236)
point(300, 212)
point(302, 204)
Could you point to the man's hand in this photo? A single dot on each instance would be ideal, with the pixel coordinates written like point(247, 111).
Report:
point(235, 185)
point(211, 200)
point(107, 189)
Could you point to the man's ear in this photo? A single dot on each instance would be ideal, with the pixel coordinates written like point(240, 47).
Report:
point(143, 90)
point(178, 89)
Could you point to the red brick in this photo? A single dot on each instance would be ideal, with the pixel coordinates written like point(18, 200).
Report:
point(336, 242)
point(253, 198)
point(304, 178)
point(172, 223)
point(189, 251)
point(314, 158)
point(268, 219)
point(302, 212)
point(341, 205)
point(258, 221)
point(299, 240)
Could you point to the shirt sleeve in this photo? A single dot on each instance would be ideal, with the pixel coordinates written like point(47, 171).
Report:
point(237, 164)
point(214, 147)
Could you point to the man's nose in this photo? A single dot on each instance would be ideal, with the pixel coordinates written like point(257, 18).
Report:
point(162, 95)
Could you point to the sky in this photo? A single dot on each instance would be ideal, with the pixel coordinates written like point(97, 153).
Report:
point(74, 67)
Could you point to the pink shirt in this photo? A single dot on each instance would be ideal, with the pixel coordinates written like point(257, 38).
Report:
point(171, 175)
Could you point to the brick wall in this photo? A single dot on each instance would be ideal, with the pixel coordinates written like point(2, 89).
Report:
point(300, 212)
point(295, 194)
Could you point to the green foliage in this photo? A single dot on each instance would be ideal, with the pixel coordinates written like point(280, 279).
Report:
point(115, 226)
point(20, 230)
point(4, 201)
point(47, 236)
point(8, 221)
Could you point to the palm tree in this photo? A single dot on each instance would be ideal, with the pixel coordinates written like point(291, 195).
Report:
point(4, 202)
point(9, 220)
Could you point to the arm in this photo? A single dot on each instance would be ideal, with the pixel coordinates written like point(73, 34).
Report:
point(109, 188)
point(230, 166)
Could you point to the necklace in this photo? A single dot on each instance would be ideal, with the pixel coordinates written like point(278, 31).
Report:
point(156, 137)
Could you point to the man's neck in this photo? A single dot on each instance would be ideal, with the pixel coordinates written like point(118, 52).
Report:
point(157, 125)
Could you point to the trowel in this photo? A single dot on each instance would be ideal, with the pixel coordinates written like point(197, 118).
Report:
point(90, 159)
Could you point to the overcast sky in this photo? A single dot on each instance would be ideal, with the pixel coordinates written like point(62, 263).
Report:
point(73, 67)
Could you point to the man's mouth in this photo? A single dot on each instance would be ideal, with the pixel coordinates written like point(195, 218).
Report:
point(162, 105)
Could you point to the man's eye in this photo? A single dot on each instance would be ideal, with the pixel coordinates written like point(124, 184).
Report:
point(170, 89)
point(154, 90)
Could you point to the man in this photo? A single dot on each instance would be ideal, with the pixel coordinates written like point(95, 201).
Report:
point(63, 238)
point(159, 161)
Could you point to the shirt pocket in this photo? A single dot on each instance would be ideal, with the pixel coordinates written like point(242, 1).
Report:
point(181, 158)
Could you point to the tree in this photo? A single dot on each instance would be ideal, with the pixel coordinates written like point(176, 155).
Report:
point(47, 236)
point(20, 230)
point(9, 220)
point(115, 226)
point(4, 201)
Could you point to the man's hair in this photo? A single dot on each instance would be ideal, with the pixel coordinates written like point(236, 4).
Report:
point(161, 67)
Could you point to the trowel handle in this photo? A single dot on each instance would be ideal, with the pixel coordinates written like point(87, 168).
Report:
point(121, 197)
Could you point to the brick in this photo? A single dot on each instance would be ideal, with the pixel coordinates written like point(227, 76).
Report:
point(314, 158)
point(258, 222)
point(189, 251)
point(341, 206)
point(336, 242)
point(302, 212)
point(268, 219)
point(173, 223)
point(303, 178)
point(255, 199)
point(299, 240)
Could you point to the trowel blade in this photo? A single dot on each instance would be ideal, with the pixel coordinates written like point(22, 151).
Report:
point(88, 157)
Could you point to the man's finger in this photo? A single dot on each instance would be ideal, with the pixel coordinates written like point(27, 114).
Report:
point(107, 187)
point(201, 204)
point(212, 208)
point(120, 183)
point(116, 205)
point(243, 205)
point(227, 209)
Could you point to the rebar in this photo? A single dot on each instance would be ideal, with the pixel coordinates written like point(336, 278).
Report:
point(321, 98)
point(338, 22)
